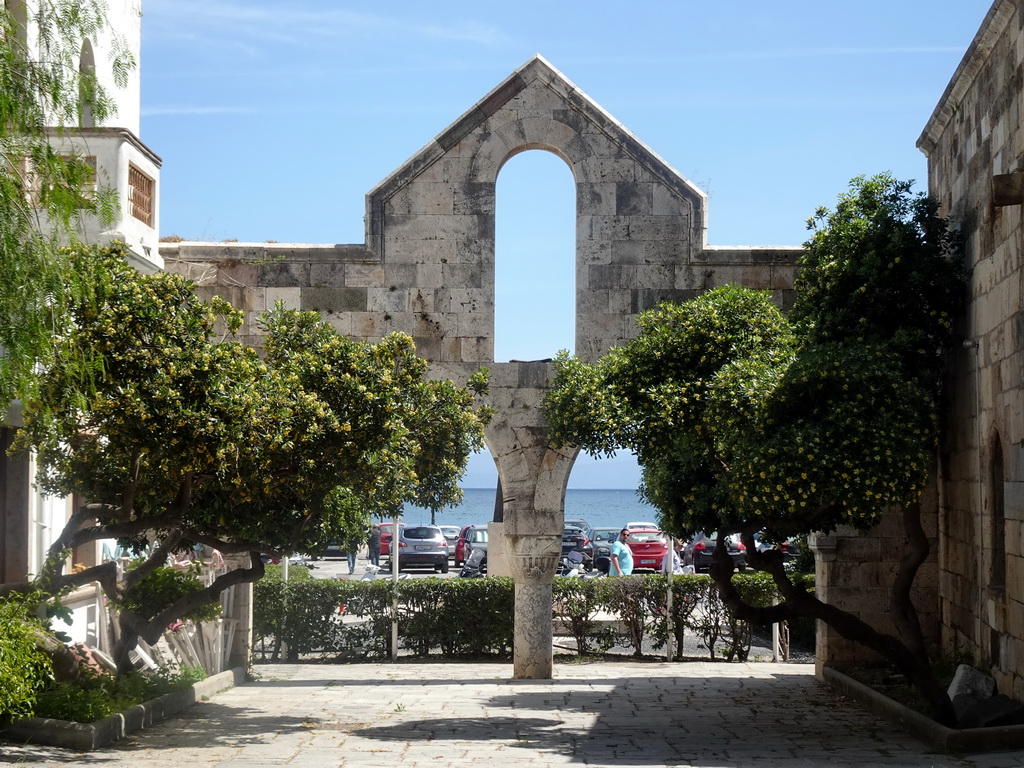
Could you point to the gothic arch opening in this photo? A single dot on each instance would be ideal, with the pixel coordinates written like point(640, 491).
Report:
point(535, 258)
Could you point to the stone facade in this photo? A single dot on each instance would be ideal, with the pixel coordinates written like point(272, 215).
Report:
point(974, 142)
point(427, 269)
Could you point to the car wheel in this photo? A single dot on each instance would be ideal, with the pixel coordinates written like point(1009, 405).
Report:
point(444, 567)
point(458, 563)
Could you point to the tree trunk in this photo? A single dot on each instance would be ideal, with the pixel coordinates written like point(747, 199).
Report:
point(797, 602)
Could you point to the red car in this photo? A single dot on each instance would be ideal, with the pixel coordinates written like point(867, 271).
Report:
point(648, 547)
point(385, 537)
point(460, 546)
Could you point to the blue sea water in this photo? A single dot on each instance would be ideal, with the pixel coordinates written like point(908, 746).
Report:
point(602, 508)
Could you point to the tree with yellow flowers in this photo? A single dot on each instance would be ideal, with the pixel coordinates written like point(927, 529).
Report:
point(186, 439)
point(745, 419)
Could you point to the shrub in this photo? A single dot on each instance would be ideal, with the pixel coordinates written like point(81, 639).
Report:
point(24, 668)
point(349, 619)
point(100, 694)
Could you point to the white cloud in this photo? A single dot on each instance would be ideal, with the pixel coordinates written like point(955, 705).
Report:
point(286, 23)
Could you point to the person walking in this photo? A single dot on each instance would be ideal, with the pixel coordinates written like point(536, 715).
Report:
point(621, 556)
point(673, 562)
point(373, 544)
point(353, 550)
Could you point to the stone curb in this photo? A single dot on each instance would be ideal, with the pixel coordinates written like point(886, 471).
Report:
point(938, 737)
point(88, 736)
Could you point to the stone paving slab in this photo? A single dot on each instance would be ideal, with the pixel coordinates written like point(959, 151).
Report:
point(464, 714)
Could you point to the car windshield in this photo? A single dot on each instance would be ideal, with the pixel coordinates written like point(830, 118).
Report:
point(478, 535)
point(609, 535)
point(570, 532)
point(422, 532)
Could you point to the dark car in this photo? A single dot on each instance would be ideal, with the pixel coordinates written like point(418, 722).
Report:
point(601, 539)
point(577, 538)
point(422, 545)
point(700, 551)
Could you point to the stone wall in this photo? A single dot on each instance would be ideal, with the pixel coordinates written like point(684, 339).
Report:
point(975, 147)
point(855, 570)
point(427, 269)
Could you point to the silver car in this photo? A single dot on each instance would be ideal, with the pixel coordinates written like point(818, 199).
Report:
point(476, 538)
point(422, 545)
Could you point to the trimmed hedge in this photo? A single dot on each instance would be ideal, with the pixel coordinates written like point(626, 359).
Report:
point(473, 618)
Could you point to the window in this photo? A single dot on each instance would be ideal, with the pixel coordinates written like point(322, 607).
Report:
point(71, 170)
point(140, 195)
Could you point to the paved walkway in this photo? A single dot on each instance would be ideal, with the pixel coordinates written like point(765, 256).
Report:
point(453, 715)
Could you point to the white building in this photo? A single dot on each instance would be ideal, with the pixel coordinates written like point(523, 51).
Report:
point(29, 520)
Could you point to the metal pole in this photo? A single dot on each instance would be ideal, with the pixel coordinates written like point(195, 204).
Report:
point(394, 588)
point(670, 574)
point(776, 653)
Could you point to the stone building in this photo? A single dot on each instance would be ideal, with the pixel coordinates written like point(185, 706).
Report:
point(974, 142)
point(427, 269)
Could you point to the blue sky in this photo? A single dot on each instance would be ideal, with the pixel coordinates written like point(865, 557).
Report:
point(274, 118)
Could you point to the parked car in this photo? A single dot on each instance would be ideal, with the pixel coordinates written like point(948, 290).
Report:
point(577, 538)
point(422, 545)
point(451, 535)
point(700, 551)
point(475, 538)
point(385, 537)
point(579, 523)
point(648, 546)
point(601, 539)
point(639, 525)
point(460, 546)
point(333, 550)
point(790, 547)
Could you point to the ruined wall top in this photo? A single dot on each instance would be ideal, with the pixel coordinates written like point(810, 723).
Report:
point(427, 266)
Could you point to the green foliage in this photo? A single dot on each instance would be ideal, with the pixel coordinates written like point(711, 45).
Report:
point(352, 619)
point(742, 422)
point(276, 573)
point(842, 436)
point(201, 440)
point(24, 668)
point(162, 587)
point(578, 604)
point(41, 200)
point(101, 694)
point(680, 395)
point(882, 270)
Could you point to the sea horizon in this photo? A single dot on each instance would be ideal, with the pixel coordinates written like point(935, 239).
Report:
point(600, 507)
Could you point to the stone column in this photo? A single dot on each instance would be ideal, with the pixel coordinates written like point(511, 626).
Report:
point(533, 560)
point(533, 477)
